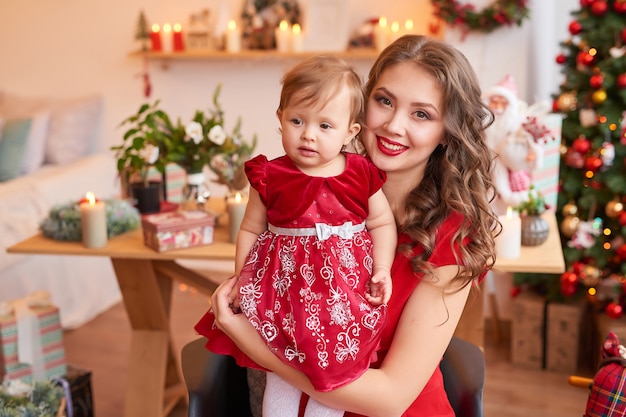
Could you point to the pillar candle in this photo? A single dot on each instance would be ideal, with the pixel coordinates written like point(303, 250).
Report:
point(93, 221)
point(155, 38)
point(177, 38)
point(394, 32)
point(166, 38)
point(509, 242)
point(236, 207)
point(296, 38)
point(233, 37)
point(282, 36)
point(381, 34)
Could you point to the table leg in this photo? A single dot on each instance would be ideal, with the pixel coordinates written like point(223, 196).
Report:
point(153, 369)
point(471, 326)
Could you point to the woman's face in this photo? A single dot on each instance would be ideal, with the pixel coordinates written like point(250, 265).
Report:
point(403, 121)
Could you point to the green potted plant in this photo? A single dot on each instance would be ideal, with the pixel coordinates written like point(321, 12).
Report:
point(143, 148)
point(535, 229)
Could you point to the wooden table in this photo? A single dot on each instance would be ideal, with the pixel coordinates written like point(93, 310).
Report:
point(146, 278)
point(545, 258)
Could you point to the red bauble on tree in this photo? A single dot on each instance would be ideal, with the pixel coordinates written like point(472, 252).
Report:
point(621, 252)
point(593, 163)
point(596, 81)
point(621, 80)
point(599, 7)
point(581, 145)
point(575, 27)
point(584, 58)
point(622, 218)
point(614, 310)
point(560, 59)
point(619, 6)
point(586, 3)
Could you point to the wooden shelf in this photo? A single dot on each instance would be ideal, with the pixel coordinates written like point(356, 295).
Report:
point(256, 54)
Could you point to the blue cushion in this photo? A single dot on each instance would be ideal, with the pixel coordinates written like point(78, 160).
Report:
point(12, 147)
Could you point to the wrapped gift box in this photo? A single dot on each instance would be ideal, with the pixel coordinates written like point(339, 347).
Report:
point(176, 230)
point(51, 341)
point(563, 330)
point(527, 331)
point(546, 178)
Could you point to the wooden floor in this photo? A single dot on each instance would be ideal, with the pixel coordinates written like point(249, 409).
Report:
point(102, 346)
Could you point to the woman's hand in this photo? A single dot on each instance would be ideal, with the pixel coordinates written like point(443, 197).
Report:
point(237, 327)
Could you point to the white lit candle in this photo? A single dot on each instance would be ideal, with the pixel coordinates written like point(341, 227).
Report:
point(233, 37)
point(282, 35)
point(395, 32)
point(381, 34)
point(408, 26)
point(296, 38)
point(93, 222)
point(509, 242)
point(236, 207)
point(167, 39)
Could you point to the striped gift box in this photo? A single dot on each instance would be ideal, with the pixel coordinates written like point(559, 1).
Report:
point(51, 342)
point(546, 178)
point(175, 179)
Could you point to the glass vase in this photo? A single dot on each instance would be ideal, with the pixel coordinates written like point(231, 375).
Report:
point(196, 192)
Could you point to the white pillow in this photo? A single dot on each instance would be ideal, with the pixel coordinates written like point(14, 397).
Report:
point(36, 143)
point(73, 129)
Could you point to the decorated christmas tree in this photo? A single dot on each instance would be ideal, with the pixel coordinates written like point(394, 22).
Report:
point(592, 192)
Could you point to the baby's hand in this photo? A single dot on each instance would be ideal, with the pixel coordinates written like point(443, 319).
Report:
point(379, 288)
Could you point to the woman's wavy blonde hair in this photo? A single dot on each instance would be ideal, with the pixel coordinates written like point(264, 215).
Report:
point(458, 173)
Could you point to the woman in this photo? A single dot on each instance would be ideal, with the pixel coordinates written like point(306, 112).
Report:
point(424, 126)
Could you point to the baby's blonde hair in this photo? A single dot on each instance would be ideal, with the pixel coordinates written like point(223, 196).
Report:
point(316, 80)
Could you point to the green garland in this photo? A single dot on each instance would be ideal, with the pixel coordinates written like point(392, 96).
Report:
point(499, 13)
point(63, 222)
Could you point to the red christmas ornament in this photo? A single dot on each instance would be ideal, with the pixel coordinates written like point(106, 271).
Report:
point(621, 80)
point(568, 290)
point(614, 310)
point(555, 106)
point(569, 278)
point(599, 7)
point(619, 6)
point(584, 58)
point(575, 27)
point(596, 81)
point(581, 145)
point(622, 218)
point(560, 59)
point(621, 252)
point(593, 163)
point(586, 3)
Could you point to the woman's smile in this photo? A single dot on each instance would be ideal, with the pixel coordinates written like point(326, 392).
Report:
point(389, 147)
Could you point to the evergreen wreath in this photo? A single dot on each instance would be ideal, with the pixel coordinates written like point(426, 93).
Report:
point(63, 222)
point(499, 13)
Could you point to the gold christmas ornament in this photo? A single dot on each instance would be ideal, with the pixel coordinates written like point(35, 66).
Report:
point(570, 209)
point(569, 225)
point(599, 96)
point(590, 276)
point(567, 102)
point(614, 208)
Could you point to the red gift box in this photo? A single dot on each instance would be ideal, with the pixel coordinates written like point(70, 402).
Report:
point(176, 230)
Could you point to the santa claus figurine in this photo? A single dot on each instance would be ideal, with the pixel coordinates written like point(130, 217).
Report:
point(517, 153)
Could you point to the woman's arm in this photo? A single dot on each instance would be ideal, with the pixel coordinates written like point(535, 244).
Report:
point(424, 332)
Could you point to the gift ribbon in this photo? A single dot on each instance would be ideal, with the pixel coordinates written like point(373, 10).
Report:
point(29, 346)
